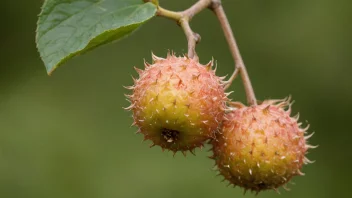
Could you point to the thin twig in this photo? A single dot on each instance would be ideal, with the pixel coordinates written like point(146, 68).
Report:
point(196, 8)
point(220, 13)
point(232, 78)
point(183, 18)
point(176, 16)
point(192, 38)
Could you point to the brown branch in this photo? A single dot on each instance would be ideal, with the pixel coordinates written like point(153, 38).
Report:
point(183, 18)
point(232, 78)
point(196, 8)
point(192, 38)
point(220, 13)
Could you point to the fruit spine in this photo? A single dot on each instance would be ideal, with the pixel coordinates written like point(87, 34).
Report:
point(261, 147)
point(177, 103)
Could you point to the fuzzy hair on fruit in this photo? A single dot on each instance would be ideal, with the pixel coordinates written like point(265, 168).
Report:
point(261, 147)
point(178, 103)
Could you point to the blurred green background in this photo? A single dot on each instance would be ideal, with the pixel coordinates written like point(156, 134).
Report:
point(68, 136)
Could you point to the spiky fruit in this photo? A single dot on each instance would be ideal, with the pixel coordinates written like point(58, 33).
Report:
point(177, 103)
point(261, 147)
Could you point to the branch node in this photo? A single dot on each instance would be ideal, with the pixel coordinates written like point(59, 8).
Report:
point(197, 37)
point(215, 4)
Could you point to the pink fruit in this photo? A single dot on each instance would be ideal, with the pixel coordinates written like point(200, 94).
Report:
point(261, 147)
point(177, 103)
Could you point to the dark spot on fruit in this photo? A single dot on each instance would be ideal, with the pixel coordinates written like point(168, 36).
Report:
point(262, 185)
point(170, 135)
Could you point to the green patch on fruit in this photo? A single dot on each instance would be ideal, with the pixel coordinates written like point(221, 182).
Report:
point(178, 103)
point(261, 147)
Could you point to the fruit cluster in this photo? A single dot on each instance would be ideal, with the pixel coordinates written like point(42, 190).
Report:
point(179, 104)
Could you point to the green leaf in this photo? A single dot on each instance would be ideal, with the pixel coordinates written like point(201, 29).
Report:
point(67, 28)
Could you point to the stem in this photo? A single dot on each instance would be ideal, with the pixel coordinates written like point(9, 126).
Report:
point(196, 8)
point(183, 19)
point(176, 16)
point(239, 64)
point(232, 78)
point(192, 38)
